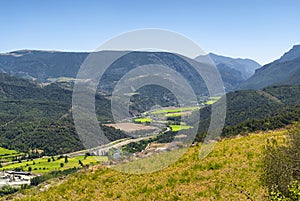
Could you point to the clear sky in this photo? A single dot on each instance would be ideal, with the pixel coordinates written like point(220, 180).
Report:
point(258, 29)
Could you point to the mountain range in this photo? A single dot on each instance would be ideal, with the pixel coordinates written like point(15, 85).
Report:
point(47, 66)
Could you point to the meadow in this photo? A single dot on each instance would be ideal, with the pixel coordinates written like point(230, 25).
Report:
point(44, 165)
point(175, 114)
point(175, 110)
point(179, 127)
point(143, 120)
point(212, 100)
point(7, 155)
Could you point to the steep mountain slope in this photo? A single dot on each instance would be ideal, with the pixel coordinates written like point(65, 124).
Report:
point(247, 67)
point(259, 104)
point(285, 70)
point(132, 60)
point(232, 78)
point(294, 53)
point(233, 71)
point(251, 110)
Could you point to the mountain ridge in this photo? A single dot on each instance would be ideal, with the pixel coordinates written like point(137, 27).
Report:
point(245, 66)
point(292, 54)
point(42, 65)
point(285, 70)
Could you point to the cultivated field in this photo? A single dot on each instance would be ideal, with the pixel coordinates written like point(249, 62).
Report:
point(43, 165)
point(131, 127)
point(7, 155)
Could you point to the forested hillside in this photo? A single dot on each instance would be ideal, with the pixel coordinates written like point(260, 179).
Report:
point(33, 116)
point(36, 117)
point(251, 110)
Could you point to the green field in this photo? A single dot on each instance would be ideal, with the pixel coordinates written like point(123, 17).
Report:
point(175, 110)
point(4, 151)
point(179, 127)
point(7, 155)
point(212, 100)
point(173, 115)
point(143, 120)
point(41, 165)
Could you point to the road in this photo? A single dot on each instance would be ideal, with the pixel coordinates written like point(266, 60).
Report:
point(115, 144)
point(105, 148)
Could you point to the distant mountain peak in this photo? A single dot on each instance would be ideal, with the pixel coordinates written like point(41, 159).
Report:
point(231, 58)
point(247, 67)
point(292, 54)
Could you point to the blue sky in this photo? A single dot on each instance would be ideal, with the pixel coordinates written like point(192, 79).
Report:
point(256, 29)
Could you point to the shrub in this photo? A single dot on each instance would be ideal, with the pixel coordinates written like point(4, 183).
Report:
point(5, 190)
point(281, 167)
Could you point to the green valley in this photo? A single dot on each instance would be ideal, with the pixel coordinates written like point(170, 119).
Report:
point(162, 144)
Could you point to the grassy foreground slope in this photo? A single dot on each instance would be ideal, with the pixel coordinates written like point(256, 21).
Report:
point(230, 172)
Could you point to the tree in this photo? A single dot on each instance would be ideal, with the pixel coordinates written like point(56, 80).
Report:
point(86, 155)
point(66, 159)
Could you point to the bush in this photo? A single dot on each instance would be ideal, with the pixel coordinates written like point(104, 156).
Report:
point(281, 167)
point(294, 193)
point(5, 190)
point(54, 174)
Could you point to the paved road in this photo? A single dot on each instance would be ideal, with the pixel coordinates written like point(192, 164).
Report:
point(104, 148)
point(115, 144)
